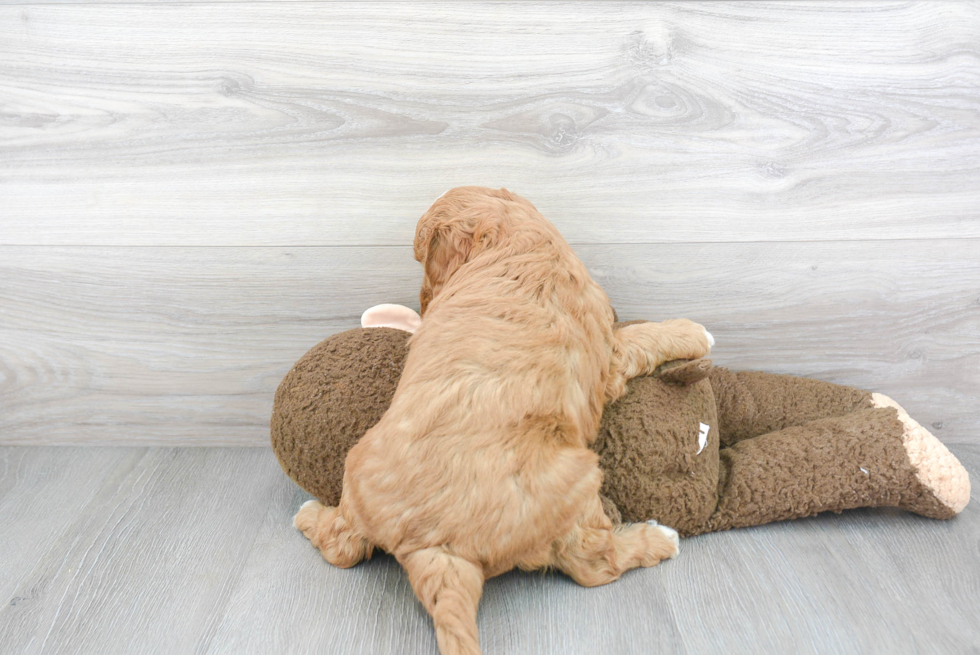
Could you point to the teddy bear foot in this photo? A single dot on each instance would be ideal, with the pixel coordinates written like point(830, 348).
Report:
point(936, 468)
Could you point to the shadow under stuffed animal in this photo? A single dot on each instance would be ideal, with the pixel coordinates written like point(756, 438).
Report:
point(695, 447)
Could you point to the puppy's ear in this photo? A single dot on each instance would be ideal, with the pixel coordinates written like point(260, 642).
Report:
point(442, 250)
point(432, 251)
point(451, 243)
point(445, 249)
point(451, 235)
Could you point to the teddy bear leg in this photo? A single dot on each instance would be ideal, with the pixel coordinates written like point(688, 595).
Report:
point(752, 403)
point(935, 467)
point(595, 553)
point(329, 531)
point(833, 464)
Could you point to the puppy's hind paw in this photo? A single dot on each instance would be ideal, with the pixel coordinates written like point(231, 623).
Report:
point(711, 339)
point(308, 516)
point(670, 534)
point(328, 531)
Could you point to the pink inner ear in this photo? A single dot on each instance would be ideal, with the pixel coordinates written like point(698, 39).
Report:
point(391, 316)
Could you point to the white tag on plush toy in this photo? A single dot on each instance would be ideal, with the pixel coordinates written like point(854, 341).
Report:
point(702, 437)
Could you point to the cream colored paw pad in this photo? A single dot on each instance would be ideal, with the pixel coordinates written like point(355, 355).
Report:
point(936, 467)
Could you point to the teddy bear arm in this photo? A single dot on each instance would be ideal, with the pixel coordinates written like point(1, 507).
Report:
point(831, 464)
point(683, 371)
point(753, 403)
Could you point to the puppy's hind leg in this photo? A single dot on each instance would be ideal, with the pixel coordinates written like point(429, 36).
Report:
point(594, 553)
point(449, 588)
point(328, 530)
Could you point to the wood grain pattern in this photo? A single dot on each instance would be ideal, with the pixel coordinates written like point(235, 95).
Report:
point(148, 562)
point(192, 550)
point(192, 194)
point(34, 487)
point(185, 346)
point(337, 123)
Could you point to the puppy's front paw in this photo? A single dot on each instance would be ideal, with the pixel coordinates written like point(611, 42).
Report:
point(705, 338)
point(688, 340)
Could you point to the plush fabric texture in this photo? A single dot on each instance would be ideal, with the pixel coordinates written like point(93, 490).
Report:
point(935, 467)
point(777, 447)
point(647, 446)
point(831, 464)
point(752, 403)
point(332, 396)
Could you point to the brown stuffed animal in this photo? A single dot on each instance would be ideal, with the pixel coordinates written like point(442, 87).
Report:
point(693, 447)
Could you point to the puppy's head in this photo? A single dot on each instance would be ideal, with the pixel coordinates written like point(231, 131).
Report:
point(461, 224)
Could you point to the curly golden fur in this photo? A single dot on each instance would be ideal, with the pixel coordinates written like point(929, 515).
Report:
point(482, 464)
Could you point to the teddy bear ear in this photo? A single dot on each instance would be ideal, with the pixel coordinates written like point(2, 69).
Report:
point(391, 316)
point(684, 371)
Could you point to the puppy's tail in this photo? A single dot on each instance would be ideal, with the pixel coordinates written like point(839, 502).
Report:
point(449, 588)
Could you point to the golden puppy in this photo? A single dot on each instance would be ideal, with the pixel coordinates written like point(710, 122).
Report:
point(482, 462)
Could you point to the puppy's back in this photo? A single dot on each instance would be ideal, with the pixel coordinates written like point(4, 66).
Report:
point(483, 446)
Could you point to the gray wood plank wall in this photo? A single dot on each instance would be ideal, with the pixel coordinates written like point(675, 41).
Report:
point(193, 194)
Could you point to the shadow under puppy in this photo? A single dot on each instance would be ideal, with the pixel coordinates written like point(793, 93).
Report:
point(482, 462)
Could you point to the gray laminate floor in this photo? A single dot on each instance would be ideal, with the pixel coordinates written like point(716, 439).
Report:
point(191, 550)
